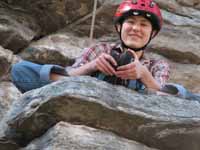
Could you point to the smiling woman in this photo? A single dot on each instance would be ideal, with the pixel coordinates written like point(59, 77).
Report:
point(137, 22)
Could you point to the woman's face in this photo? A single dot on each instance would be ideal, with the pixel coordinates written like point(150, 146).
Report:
point(135, 31)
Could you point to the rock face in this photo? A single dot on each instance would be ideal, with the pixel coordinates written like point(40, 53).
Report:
point(8, 93)
point(88, 101)
point(179, 47)
point(53, 15)
point(59, 48)
point(56, 32)
point(17, 28)
point(7, 58)
point(72, 137)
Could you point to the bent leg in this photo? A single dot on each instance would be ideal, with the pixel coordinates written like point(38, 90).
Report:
point(26, 76)
point(180, 91)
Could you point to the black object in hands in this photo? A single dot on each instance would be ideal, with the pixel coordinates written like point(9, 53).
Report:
point(121, 59)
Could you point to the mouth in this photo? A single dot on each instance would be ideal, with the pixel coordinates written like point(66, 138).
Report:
point(135, 36)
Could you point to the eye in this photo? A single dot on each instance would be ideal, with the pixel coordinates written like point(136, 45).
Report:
point(130, 21)
point(144, 24)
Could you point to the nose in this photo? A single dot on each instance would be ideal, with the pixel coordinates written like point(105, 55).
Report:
point(136, 27)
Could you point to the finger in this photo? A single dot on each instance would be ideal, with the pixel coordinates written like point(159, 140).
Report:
point(128, 74)
point(122, 73)
point(109, 67)
point(123, 76)
point(105, 65)
point(102, 68)
point(111, 60)
point(134, 54)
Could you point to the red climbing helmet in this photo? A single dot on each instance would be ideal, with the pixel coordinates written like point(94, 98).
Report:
point(148, 8)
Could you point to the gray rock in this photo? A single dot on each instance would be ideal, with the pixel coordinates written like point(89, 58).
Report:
point(186, 75)
point(8, 93)
point(17, 28)
point(178, 44)
point(59, 48)
point(64, 136)
point(164, 122)
point(53, 15)
point(191, 3)
point(7, 58)
point(178, 20)
point(177, 7)
point(8, 145)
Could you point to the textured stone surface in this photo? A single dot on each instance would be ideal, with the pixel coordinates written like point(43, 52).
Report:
point(17, 27)
point(52, 15)
point(59, 48)
point(8, 93)
point(165, 122)
point(158, 121)
point(179, 47)
point(64, 136)
point(7, 58)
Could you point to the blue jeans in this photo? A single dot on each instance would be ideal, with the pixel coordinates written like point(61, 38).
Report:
point(180, 91)
point(27, 75)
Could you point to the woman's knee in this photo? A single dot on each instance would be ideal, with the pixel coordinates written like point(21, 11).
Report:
point(17, 71)
point(25, 75)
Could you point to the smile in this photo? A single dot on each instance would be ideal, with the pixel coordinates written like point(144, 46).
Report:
point(135, 36)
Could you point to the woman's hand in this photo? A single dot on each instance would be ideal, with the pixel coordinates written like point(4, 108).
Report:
point(104, 63)
point(132, 71)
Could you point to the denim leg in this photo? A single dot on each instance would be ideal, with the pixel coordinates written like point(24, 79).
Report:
point(193, 96)
point(136, 85)
point(26, 76)
point(180, 91)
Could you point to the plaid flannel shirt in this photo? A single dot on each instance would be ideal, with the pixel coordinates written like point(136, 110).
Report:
point(158, 68)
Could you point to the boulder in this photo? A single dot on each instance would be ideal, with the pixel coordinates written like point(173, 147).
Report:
point(190, 3)
point(17, 27)
point(8, 93)
point(58, 48)
point(8, 145)
point(53, 15)
point(78, 137)
point(186, 75)
point(7, 58)
point(163, 122)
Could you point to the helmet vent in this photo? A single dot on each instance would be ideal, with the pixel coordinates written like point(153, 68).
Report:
point(152, 4)
point(134, 1)
point(143, 4)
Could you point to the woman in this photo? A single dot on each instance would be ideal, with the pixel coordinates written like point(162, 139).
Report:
point(137, 22)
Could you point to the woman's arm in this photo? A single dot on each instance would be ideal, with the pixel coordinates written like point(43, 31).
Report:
point(148, 80)
point(101, 63)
